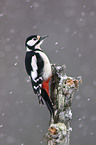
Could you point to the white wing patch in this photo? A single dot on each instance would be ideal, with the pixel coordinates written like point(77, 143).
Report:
point(34, 67)
point(40, 78)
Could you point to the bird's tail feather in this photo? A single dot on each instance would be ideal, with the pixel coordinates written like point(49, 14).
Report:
point(47, 101)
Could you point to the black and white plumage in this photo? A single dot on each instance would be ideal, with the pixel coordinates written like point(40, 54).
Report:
point(38, 67)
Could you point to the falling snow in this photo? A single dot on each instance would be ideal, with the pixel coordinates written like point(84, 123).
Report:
point(12, 31)
point(84, 6)
point(35, 4)
point(67, 30)
point(15, 63)
point(77, 97)
point(80, 125)
point(91, 133)
point(81, 22)
point(79, 55)
point(88, 99)
point(11, 92)
point(92, 13)
point(41, 130)
point(8, 39)
point(62, 48)
point(28, 80)
point(31, 6)
point(71, 26)
point(41, 142)
point(79, 119)
point(16, 57)
point(37, 126)
point(34, 27)
point(56, 43)
point(1, 15)
point(56, 51)
point(1, 126)
point(91, 36)
point(3, 114)
point(83, 14)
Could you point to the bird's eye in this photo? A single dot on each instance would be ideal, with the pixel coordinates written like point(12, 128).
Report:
point(34, 38)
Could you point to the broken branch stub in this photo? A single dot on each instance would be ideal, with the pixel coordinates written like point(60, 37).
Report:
point(61, 92)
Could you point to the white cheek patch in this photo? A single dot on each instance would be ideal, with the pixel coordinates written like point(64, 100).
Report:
point(31, 42)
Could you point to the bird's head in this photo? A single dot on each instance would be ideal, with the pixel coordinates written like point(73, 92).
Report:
point(34, 42)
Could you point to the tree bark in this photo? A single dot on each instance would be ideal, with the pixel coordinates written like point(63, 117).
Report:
point(62, 88)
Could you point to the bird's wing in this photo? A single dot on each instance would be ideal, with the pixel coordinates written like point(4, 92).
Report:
point(37, 65)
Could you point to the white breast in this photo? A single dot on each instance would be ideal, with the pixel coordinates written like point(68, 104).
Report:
point(47, 66)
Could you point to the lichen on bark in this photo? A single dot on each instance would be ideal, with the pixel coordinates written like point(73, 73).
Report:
point(62, 88)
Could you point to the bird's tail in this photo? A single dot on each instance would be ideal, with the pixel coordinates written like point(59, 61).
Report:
point(47, 101)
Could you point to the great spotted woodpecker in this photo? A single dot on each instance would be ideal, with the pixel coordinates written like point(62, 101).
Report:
point(38, 67)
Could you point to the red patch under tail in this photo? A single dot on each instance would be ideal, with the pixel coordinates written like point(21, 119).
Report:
point(45, 85)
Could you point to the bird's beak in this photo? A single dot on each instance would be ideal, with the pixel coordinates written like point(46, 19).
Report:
point(43, 37)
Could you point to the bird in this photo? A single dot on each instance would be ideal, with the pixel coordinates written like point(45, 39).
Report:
point(38, 68)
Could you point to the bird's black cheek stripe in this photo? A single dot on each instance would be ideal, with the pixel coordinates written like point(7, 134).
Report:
point(36, 43)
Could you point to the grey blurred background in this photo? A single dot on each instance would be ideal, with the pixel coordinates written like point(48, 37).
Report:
point(71, 25)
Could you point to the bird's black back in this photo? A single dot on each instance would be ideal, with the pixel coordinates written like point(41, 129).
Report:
point(28, 58)
point(37, 83)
